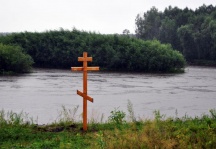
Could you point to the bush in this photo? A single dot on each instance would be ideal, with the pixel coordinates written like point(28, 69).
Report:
point(117, 117)
point(12, 59)
point(60, 49)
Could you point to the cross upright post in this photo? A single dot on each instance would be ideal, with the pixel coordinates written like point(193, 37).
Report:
point(85, 59)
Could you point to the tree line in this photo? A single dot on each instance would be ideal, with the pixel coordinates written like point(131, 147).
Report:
point(60, 49)
point(192, 32)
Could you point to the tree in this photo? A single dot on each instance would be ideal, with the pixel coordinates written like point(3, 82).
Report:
point(190, 32)
point(185, 34)
point(147, 26)
point(126, 32)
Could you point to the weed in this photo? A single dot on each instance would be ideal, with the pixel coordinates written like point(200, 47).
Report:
point(213, 113)
point(158, 116)
point(68, 116)
point(117, 116)
point(131, 111)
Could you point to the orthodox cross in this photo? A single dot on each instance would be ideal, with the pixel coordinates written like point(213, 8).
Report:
point(85, 59)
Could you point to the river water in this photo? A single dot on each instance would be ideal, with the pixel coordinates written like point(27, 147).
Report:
point(43, 93)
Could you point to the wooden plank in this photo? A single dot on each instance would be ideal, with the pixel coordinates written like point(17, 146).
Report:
point(85, 96)
point(92, 68)
point(81, 68)
point(82, 59)
point(77, 68)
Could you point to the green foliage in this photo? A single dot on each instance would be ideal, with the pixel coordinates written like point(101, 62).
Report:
point(100, 140)
point(193, 33)
point(60, 49)
point(117, 117)
point(12, 58)
point(148, 28)
point(200, 132)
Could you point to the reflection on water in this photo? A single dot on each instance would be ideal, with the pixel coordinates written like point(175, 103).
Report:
point(43, 93)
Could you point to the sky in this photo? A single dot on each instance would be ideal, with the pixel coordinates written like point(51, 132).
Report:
point(100, 16)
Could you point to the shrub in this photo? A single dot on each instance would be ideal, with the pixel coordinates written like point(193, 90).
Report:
point(60, 49)
point(117, 116)
point(13, 59)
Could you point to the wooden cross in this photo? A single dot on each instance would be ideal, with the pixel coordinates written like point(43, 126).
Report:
point(84, 94)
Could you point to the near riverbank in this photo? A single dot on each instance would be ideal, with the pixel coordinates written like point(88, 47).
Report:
point(161, 132)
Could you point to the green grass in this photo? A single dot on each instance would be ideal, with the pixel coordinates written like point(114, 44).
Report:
point(17, 131)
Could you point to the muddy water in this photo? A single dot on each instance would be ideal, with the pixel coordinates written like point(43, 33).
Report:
point(42, 93)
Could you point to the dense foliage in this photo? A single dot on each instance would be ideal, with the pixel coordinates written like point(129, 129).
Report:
point(191, 32)
point(13, 59)
point(60, 49)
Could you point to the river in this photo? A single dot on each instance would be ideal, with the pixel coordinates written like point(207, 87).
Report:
point(43, 93)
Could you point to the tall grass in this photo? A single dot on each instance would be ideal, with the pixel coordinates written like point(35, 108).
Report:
point(17, 131)
point(12, 118)
point(68, 115)
point(185, 132)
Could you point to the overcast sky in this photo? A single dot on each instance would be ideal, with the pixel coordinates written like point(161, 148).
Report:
point(101, 16)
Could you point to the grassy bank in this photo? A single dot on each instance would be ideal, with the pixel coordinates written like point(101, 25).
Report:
point(17, 131)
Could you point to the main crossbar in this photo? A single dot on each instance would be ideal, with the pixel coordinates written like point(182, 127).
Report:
point(81, 68)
